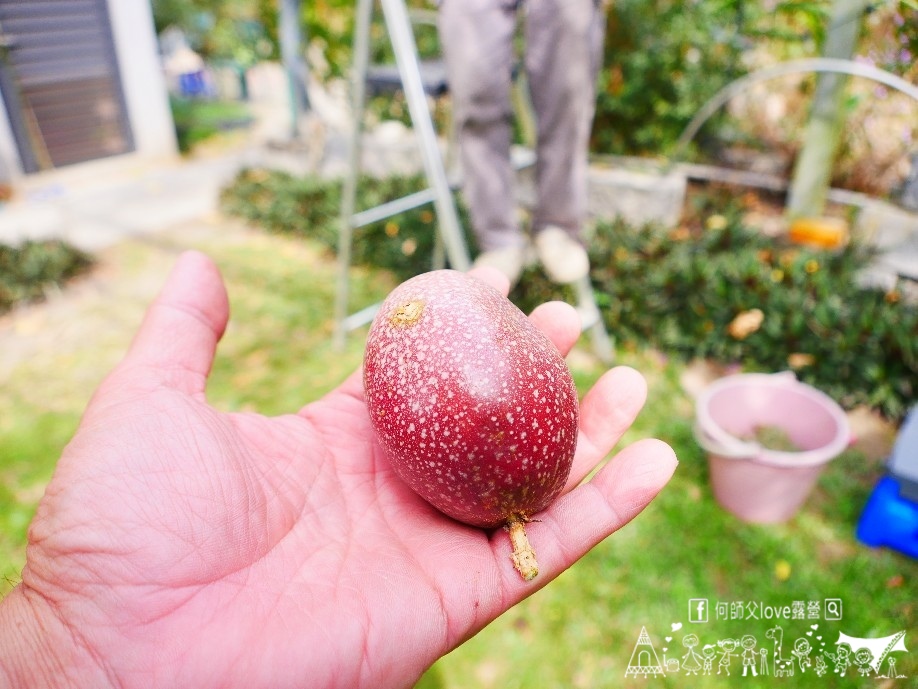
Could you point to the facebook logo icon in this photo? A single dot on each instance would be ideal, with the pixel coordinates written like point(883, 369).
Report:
point(698, 609)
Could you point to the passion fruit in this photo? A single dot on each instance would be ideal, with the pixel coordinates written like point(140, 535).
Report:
point(474, 405)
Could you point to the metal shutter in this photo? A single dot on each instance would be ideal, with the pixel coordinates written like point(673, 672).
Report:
point(60, 82)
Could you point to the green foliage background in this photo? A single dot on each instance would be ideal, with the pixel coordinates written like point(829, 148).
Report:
point(663, 58)
point(675, 290)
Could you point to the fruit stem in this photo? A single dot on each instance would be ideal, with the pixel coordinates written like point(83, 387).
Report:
point(523, 557)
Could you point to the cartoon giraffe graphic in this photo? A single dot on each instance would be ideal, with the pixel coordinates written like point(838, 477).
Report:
point(784, 667)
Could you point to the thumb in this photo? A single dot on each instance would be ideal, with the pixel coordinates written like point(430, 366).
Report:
point(179, 334)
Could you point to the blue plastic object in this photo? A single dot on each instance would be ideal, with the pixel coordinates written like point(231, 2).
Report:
point(890, 517)
point(193, 84)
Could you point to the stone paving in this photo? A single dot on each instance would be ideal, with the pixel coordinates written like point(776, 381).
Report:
point(122, 201)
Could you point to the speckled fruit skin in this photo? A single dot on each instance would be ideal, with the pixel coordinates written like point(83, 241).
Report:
point(474, 405)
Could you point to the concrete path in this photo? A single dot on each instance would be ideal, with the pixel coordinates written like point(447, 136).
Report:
point(94, 205)
point(107, 201)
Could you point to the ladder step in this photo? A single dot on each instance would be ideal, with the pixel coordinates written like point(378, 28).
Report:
point(360, 318)
point(399, 205)
point(390, 208)
point(385, 78)
point(522, 158)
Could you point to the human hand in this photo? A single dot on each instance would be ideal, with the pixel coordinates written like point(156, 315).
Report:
point(177, 545)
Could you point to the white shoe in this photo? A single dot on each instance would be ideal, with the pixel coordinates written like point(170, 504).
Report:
point(563, 257)
point(509, 260)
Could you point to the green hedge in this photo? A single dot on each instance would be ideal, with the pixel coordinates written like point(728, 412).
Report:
point(197, 120)
point(310, 207)
point(27, 271)
point(677, 290)
point(681, 291)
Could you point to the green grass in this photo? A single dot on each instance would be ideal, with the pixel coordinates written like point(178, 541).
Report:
point(580, 630)
point(197, 120)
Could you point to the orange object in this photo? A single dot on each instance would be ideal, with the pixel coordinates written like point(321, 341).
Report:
point(828, 233)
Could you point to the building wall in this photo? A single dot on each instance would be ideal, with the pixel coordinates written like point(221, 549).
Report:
point(142, 78)
point(143, 85)
point(10, 167)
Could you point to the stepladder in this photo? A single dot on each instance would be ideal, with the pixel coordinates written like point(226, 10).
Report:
point(418, 83)
point(450, 244)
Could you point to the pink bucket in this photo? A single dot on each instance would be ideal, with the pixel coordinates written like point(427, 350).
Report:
point(755, 483)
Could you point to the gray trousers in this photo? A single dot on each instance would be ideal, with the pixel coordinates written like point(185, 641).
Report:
point(563, 51)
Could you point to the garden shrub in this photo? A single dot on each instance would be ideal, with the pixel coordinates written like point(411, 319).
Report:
point(664, 59)
point(678, 290)
point(27, 271)
point(661, 64)
point(682, 290)
point(311, 206)
point(197, 120)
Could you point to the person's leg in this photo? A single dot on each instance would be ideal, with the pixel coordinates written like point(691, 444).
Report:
point(476, 36)
point(563, 54)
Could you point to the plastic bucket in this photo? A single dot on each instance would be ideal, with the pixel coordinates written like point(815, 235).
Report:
point(755, 483)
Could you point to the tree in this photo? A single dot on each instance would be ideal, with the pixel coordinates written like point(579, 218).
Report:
point(239, 30)
point(813, 169)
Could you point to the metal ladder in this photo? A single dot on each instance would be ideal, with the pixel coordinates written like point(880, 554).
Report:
point(438, 192)
point(450, 243)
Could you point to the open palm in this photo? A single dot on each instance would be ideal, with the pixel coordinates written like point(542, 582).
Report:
point(182, 546)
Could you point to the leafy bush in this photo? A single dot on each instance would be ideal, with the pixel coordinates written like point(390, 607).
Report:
point(687, 292)
point(310, 207)
point(28, 270)
point(197, 120)
point(664, 59)
point(856, 344)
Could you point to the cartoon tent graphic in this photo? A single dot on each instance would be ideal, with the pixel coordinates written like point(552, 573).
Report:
point(880, 647)
point(644, 660)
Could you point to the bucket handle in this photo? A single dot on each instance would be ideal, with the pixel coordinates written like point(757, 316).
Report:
point(727, 446)
point(731, 447)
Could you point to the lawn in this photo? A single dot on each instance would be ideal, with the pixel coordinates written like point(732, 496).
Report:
point(581, 630)
point(197, 120)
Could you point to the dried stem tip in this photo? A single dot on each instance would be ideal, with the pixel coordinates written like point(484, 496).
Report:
point(523, 557)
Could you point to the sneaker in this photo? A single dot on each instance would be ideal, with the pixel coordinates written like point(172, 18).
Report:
point(563, 257)
point(509, 260)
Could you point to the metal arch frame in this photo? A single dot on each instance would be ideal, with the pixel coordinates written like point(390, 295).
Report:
point(814, 64)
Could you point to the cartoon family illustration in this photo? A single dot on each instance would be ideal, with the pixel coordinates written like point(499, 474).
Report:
point(867, 657)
